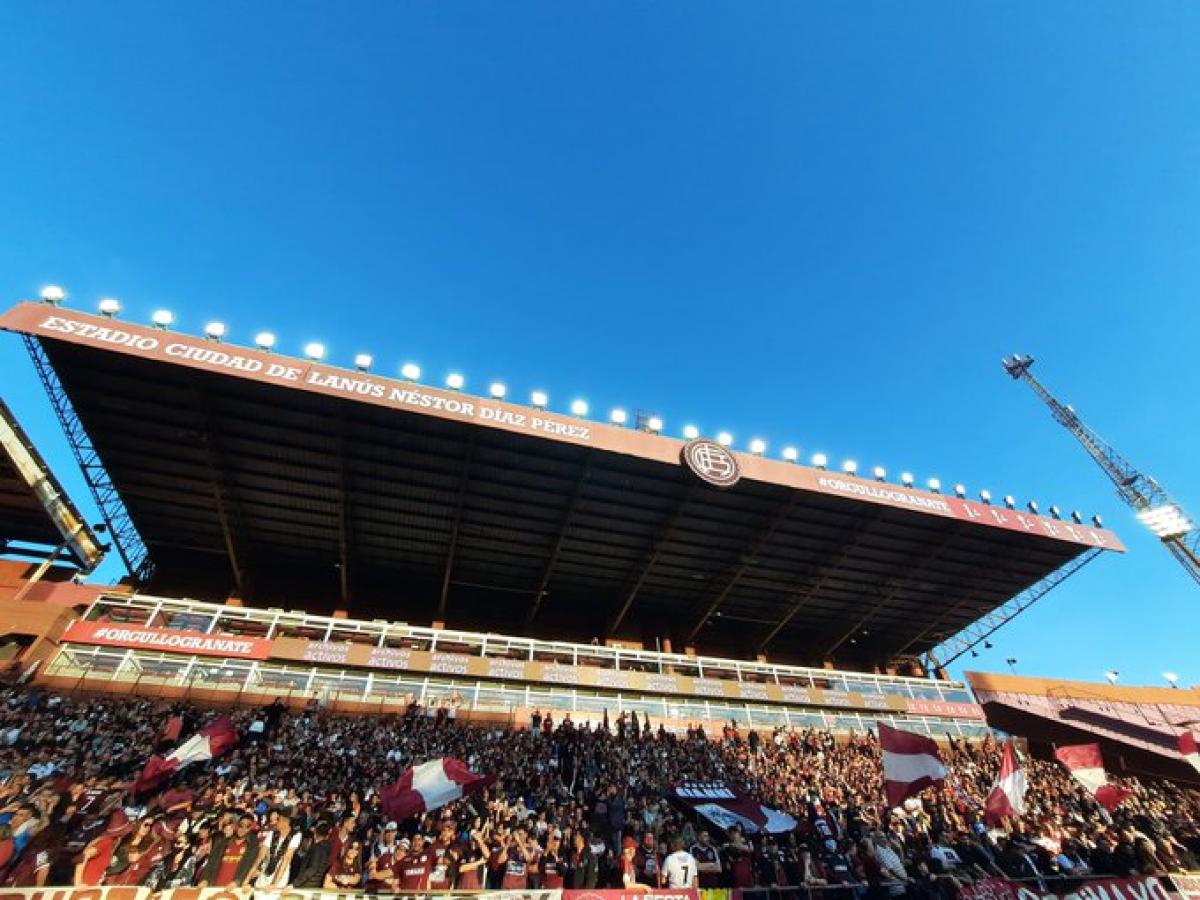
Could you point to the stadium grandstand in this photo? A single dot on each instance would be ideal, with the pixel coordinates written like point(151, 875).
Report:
point(1137, 728)
point(635, 643)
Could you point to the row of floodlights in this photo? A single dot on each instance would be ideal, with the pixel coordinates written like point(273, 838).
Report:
point(315, 351)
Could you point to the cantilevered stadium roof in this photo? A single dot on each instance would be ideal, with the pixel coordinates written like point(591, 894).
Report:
point(296, 483)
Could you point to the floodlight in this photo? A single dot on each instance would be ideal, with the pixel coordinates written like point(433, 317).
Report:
point(214, 330)
point(497, 389)
point(791, 454)
point(579, 407)
point(1166, 521)
point(1055, 511)
point(1010, 501)
point(758, 446)
point(363, 361)
point(1172, 679)
point(879, 472)
point(618, 416)
point(455, 381)
point(411, 371)
point(724, 438)
point(53, 294)
point(850, 467)
point(935, 484)
point(1112, 675)
point(539, 399)
point(985, 495)
point(1097, 521)
point(907, 479)
point(264, 340)
point(691, 432)
point(820, 460)
point(110, 306)
point(1032, 505)
point(960, 491)
point(314, 351)
point(654, 424)
point(162, 318)
point(1076, 517)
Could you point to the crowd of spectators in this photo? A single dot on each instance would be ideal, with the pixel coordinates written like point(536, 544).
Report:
point(296, 804)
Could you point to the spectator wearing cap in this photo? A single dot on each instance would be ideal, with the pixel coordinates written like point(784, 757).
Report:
point(384, 857)
point(629, 868)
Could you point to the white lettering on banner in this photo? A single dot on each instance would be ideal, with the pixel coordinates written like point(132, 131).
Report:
point(175, 641)
point(390, 658)
point(667, 683)
point(560, 674)
point(103, 334)
point(214, 357)
point(882, 492)
point(450, 663)
point(708, 687)
point(797, 695)
point(327, 652)
point(506, 668)
point(753, 691)
point(875, 701)
point(837, 698)
point(612, 678)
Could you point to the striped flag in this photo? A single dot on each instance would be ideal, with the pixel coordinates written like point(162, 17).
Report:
point(1187, 746)
point(1008, 796)
point(1085, 763)
point(429, 786)
point(204, 745)
point(911, 763)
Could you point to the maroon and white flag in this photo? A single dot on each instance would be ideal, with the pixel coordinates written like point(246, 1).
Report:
point(726, 806)
point(911, 763)
point(1085, 763)
point(204, 745)
point(429, 786)
point(1187, 746)
point(1008, 796)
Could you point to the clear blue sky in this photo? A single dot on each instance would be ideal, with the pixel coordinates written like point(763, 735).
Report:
point(811, 223)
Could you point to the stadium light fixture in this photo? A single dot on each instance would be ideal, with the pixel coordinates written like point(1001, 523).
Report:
point(1010, 501)
point(1171, 678)
point(850, 467)
point(1055, 511)
point(497, 389)
point(618, 416)
point(579, 408)
point(1097, 521)
point(654, 424)
point(1166, 521)
point(455, 381)
point(1076, 517)
point(1012, 664)
point(820, 460)
point(214, 331)
point(758, 446)
point(110, 306)
point(960, 491)
point(791, 454)
point(363, 361)
point(162, 318)
point(411, 371)
point(539, 399)
point(314, 351)
point(906, 479)
point(1032, 506)
point(691, 432)
point(879, 472)
point(53, 294)
point(935, 484)
point(264, 340)
point(985, 495)
point(724, 438)
point(1111, 676)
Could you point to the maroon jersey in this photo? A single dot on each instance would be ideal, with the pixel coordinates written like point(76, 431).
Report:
point(415, 870)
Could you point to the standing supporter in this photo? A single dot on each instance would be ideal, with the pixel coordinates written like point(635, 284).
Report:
point(629, 869)
point(582, 866)
point(649, 863)
point(515, 859)
point(551, 865)
point(383, 861)
point(471, 862)
point(95, 859)
point(315, 862)
point(273, 868)
point(681, 870)
point(346, 873)
point(416, 866)
point(708, 860)
point(441, 878)
point(233, 855)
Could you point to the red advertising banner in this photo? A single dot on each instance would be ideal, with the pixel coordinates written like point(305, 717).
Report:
point(603, 894)
point(139, 637)
point(1089, 889)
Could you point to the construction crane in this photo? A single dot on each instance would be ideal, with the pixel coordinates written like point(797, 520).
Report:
point(1153, 505)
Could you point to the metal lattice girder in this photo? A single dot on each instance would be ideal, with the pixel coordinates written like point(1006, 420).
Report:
point(123, 533)
point(981, 629)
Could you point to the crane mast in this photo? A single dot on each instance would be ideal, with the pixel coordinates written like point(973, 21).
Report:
point(1153, 505)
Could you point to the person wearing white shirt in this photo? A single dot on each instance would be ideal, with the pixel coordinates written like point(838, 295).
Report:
point(680, 868)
